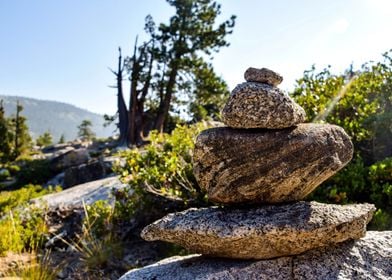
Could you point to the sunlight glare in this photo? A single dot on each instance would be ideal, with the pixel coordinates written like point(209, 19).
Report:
point(324, 114)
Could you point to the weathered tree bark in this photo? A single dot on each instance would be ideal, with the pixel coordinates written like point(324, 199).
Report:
point(139, 117)
point(137, 68)
point(122, 109)
point(137, 97)
point(164, 105)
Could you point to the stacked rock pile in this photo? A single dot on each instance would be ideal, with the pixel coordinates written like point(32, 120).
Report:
point(259, 169)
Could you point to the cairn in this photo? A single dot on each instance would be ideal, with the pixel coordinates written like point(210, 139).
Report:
point(259, 169)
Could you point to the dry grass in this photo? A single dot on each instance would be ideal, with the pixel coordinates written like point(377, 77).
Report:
point(95, 251)
point(30, 266)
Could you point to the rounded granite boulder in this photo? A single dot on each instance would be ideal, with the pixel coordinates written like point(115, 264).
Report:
point(255, 105)
point(263, 75)
point(263, 232)
point(253, 166)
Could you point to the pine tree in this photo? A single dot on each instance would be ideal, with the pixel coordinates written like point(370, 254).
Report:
point(45, 139)
point(85, 131)
point(172, 66)
point(191, 35)
point(5, 136)
point(62, 139)
point(21, 137)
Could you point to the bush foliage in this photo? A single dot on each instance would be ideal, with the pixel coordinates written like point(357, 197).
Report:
point(164, 166)
point(359, 183)
point(34, 171)
point(22, 227)
point(361, 102)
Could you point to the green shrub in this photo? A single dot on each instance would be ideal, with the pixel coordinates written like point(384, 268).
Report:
point(34, 172)
point(382, 220)
point(358, 183)
point(348, 185)
point(97, 245)
point(22, 226)
point(99, 217)
point(22, 230)
point(165, 165)
point(380, 178)
point(14, 169)
point(10, 234)
point(11, 199)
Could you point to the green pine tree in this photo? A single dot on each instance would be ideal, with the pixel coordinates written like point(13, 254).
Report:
point(85, 131)
point(62, 139)
point(20, 134)
point(5, 136)
point(45, 139)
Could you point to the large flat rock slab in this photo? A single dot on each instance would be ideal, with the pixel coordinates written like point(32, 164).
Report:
point(87, 193)
point(263, 232)
point(367, 258)
point(257, 105)
point(268, 166)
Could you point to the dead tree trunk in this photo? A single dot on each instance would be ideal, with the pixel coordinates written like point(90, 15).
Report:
point(122, 108)
point(139, 117)
point(133, 100)
point(137, 97)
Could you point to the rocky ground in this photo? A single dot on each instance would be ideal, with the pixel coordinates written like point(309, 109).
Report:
point(84, 170)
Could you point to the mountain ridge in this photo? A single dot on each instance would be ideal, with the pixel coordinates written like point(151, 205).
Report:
point(57, 117)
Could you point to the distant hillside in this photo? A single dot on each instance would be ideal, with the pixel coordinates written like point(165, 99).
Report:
point(57, 117)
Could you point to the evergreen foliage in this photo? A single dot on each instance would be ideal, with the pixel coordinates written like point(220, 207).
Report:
point(171, 72)
point(62, 139)
point(15, 139)
point(20, 133)
point(5, 136)
point(45, 139)
point(85, 131)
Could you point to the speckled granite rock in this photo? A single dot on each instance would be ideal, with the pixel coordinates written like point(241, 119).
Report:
point(255, 105)
point(251, 166)
point(367, 258)
point(263, 75)
point(196, 267)
point(264, 232)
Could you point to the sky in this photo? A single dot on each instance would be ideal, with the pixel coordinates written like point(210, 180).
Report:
point(61, 50)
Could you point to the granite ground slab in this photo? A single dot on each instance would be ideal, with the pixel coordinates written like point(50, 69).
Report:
point(367, 258)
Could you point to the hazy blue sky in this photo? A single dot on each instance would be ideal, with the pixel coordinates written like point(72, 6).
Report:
point(60, 49)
